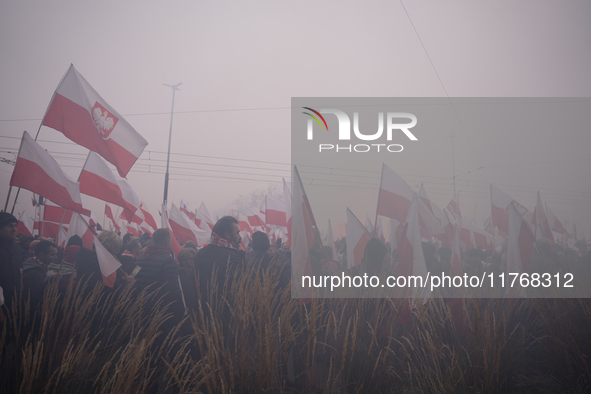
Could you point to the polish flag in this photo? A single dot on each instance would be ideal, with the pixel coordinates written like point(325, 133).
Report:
point(107, 263)
point(132, 230)
point(553, 221)
point(206, 215)
point(148, 218)
point(133, 216)
point(243, 223)
point(357, 239)
point(329, 241)
point(303, 235)
point(275, 211)
point(394, 199)
point(520, 243)
point(62, 237)
point(37, 171)
point(165, 223)
point(500, 209)
point(183, 208)
point(78, 111)
point(109, 215)
point(395, 196)
point(255, 219)
point(411, 260)
point(97, 180)
point(79, 226)
point(287, 200)
point(25, 225)
point(540, 222)
point(185, 229)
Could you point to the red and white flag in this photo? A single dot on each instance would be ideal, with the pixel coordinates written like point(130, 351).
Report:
point(540, 221)
point(500, 202)
point(243, 224)
point(109, 214)
point(254, 218)
point(79, 226)
point(107, 263)
point(520, 243)
point(303, 233)
point(395, 196)
point(441, 218)
point(183, 208)
point(78, 111)
point(206, 215)
point(411, 260)
point(37, 171)
point(357, 239)
point(185, 229)
point(148, 218)
point(132, 230)
point(287, 200)
point(275, 211)
point(97, 180)
point(553, 221)
point(164, 215)
point(394, 199)
point(25, 224)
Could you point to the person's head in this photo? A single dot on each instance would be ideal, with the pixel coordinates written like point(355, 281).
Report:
point(74, 240)
point(260, 242)
point(284, 247)
point(162, 237)
point(228, 229)
point(127, 238)
point(134, 247)
point(8, 225)
point(190, 244)
point(46, 252)
point(272, 249)
point(186, 256)
point(111, 241)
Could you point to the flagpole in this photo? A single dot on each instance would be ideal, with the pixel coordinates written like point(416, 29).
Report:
point(37, 135)
point(174, 89)
point(7, 198)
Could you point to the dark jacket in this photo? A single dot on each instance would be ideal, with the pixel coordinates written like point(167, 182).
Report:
point(223, 260)
point(160, 272)
point(11, 263)
point(34, 279)
point(87, 268)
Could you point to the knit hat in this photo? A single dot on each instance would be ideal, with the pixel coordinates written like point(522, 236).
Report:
point(6, 218)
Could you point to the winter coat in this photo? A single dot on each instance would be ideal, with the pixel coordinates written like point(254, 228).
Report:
point(11, 262)
point(161, 272)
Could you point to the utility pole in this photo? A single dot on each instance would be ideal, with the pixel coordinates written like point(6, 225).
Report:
point(174, 89)
point(453, 162)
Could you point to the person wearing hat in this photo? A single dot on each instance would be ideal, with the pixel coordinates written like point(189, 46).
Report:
point(11, 258)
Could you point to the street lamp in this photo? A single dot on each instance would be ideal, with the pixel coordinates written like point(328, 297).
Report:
point(174, 89)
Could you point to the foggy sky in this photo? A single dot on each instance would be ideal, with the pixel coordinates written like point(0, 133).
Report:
point(241, 62)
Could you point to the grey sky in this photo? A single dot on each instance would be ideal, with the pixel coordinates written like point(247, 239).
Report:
point(255, 56)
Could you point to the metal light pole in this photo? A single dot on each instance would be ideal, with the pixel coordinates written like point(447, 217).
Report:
point(174, 89)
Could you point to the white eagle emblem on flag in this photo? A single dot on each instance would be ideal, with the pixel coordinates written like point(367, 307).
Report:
point(103, 120)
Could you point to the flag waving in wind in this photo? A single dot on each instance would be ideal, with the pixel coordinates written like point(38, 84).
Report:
point(78, 111)
point(37, 171)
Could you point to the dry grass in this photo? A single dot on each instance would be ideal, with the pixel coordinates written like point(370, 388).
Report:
point(255, 338)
